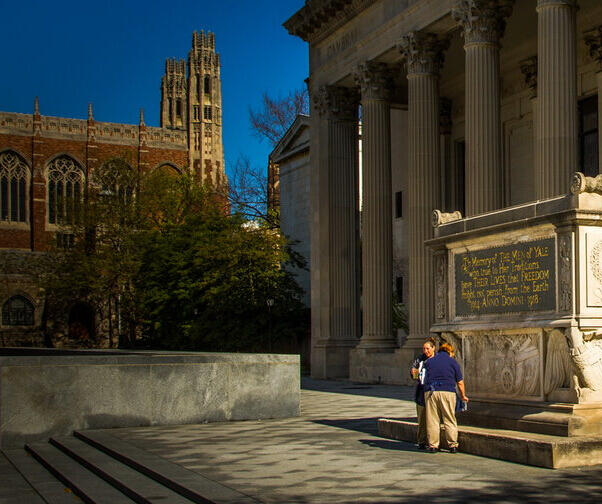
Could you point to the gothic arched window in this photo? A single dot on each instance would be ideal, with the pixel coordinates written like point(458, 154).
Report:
point(17, 311)
point(14, 178)
point(65, 190)
point(207, 84)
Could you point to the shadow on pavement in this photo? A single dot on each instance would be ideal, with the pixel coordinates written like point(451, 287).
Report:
point(362, 389)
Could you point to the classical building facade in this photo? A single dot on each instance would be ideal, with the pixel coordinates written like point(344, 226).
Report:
point(472, 105)
point(43, 158)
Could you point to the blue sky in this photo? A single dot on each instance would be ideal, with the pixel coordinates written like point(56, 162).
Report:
point(111, 53)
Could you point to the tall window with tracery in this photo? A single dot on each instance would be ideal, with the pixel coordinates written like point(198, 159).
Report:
point(17, 311)
point(14, 177)
point(65, 190)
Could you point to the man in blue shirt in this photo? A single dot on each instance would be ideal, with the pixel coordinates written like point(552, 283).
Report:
point(442, 375)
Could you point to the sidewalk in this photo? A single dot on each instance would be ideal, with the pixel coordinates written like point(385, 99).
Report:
point(332, 453)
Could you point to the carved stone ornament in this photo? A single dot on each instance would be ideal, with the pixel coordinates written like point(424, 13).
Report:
point(375, 80)
point(587, 358)
point(440, 217)
point(336, 101)
point(559, 365)
point(441, 286)
point(503, 364)
point(582, 184)
point(423, 52)
point(593, 40)
point(482, 21)
point(455, 340)
point(528, 67)
point(565, 280)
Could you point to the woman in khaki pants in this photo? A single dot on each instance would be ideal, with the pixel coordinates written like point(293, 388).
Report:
point(442, 375)
point(428, 350)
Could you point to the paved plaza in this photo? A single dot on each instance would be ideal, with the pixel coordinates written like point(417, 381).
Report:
point(332, 454)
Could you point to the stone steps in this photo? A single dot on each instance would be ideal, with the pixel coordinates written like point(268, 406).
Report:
point(96, 467)
point(528, 448)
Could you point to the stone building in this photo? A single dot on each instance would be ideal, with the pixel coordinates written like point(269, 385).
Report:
point(288, 191)
point(472, 105)
point(43, 157)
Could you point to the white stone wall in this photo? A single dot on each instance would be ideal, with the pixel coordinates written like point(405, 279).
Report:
point(295, 212)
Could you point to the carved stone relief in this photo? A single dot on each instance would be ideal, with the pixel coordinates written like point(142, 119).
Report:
point(586, 353)
point(565, 268)
point(503, 364)
point(594, 269)
point(441, 286)
point(559, 366)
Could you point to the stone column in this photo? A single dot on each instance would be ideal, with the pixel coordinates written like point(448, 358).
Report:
point(334, 183)
point(557, 96)
point(593, 39)
point(375, 82)
point(483, 24)
point(528, 67)
point(424, 55)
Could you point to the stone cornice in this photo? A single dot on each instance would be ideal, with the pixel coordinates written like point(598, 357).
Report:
point(335, 101)
point(319, 18)
point(423, 52)
point(482, 21)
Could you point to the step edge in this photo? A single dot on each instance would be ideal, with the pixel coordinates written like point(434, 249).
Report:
point(147, 471)
point(59, 475)
point(101, 473)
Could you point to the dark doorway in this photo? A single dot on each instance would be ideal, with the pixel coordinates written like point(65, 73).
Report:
point(81, 323)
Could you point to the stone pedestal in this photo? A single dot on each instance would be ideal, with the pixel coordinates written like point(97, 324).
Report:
point(518, 293)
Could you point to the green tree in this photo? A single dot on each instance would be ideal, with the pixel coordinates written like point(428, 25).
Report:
point(158, 256)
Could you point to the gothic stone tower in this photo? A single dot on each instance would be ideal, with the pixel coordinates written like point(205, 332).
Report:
point(192, 101)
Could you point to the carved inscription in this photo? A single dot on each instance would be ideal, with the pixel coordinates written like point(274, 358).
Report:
point(512, 278)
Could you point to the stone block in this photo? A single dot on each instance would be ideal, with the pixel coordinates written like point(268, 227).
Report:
point(51, 395)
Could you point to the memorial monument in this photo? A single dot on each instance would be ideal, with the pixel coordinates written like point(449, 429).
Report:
point(519, 293)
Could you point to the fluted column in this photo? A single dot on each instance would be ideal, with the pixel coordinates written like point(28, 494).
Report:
point(424, 54)
point(375, 82)
point(557, 135)
point(335, 296)
point(483, 24)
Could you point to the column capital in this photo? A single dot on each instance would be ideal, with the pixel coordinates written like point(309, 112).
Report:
point(375, 80)
point(482, 21)
point(542, 4)
point(593, 40)
point(423, 52)
point(336, 101)
point(528, 67)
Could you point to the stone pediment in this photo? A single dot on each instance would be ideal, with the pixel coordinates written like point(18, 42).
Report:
point(295, 140)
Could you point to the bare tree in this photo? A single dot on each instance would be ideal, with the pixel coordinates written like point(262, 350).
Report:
point(248, 190)
point(275, 115)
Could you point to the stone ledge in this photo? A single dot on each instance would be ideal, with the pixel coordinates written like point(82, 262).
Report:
point(55, 393)
point(540, 450)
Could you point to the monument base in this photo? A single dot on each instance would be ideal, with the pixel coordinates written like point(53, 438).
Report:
point(554, 452)
point(543, 418)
